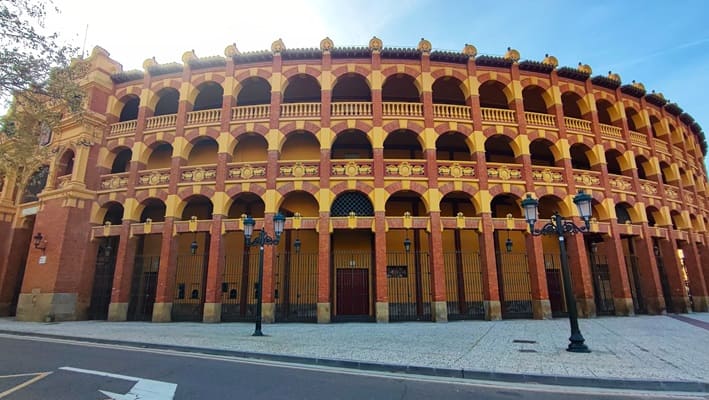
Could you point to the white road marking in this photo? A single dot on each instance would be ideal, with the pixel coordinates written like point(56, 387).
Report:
point(24, 384)
point(145, 389)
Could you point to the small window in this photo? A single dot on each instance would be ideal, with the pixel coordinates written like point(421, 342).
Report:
point(181, 291)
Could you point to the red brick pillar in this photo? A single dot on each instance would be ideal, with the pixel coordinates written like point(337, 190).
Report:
point(651, 288)
point(491, 292)
point(165, 291)
point(541, 307)
point(215, 273)
point(622, 296)
point(581, 280)
point(673, 269)
point(380, 268)
point(16, 242)
point(123, 274)
point(697, 286)
point(324, 275)
point(439, 306)
point(704, 261)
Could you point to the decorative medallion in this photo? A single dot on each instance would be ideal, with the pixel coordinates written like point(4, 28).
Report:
point(470, 50)
point(352, 169)
point(375, 44)
point(456, 171)
point(424, 46)
point(231, 50)
point(512, 54)
point(278, 46)
point(404, 169)
point(298, 170)
point(587, 179)
point(247, 172)
point(326, 45)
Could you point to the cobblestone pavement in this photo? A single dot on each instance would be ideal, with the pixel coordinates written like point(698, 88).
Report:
point(642, 347)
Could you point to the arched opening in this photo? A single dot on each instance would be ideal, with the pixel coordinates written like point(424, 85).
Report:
point(65, 166)
point(492, 95)
point(352, 202)
point(533, 99)
point(665, 172)
point(676, 219)
point(129, 112)
point(642, 165)
point(604, 109)
point(351, 144)
point(452, 146)
point(612, 162)
point(351, 87)
point(300, 145)
point(512, 267)
point(105, 265)
point(210, 96)
point(652, 215)
point(35, 184)
point(254, 90)
point(448, 90)
point(168, 102)
point(161, 156)
point(400, 88)
point(461, 260)
point(634, 120)
point(302, 88)
point(499, 150)
point(541, 154)
point(251, 147)
point(571, 103)
point(153, 209)
point(655, 126)
point(622, 213)
point(402, 144)
point(579, 157)
point(121, 163)
point(114, 213)
point(204, 151)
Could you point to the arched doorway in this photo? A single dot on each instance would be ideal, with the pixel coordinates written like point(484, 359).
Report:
point(105, 265)
point(352, 260)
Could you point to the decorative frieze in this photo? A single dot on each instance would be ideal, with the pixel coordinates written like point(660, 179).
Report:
point(456, 170)
point(405, 169)
point(299, 170)
point(246, 172)
point(504, 173)
point(352, 169)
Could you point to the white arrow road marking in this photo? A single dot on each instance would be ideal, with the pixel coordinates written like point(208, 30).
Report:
point(145, 389)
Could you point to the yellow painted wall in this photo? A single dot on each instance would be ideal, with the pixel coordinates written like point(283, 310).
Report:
point(251, 148)
point(300, 202)
point(301, 147)
point(160, 158)
point(203, 153)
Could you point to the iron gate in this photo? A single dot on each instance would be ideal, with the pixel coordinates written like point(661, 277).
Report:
point(515, 287)
point(666, 292)
point(143, 288)
point(296, 284)
point(238, 287)
point(409, 285)
point(103, 278)
point(602, 290)
point(555, 284)
point(190, 279)
point(464, 285)
point(632, 263)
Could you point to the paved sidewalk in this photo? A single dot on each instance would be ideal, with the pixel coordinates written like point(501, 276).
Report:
point(644, 348)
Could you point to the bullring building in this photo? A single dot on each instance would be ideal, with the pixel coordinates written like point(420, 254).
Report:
point(400, 173)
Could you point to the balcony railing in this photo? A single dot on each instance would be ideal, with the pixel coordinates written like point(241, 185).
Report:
point(406, 169)
point(300, 110)
point(661, 146)
point(537, 119)
point(261, 111)
point(504, 172)
point(638, 138)
point(585, 178)
point(114, 181)
point(456, 169)
point(204, 117)
point(449, 111)
point(161, 122)
point(548, 174)
point(123, 127)
point(351, 109)
point(246, 171)
point(578, 125)
point(201, 173)
point(498, 115)
point(352, 168)
point(154, 177)
point(402, 109)
point(297, 169)
point(611, 132)
point(649, 188)
point(619, 183)
point(672, 192)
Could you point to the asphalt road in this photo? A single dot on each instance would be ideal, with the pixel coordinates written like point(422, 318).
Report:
point(36, 368)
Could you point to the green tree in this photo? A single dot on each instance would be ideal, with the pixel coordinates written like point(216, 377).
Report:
point(38, 81)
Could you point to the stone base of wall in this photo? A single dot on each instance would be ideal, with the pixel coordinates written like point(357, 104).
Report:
point(118, 312)
point(541, 309)
point(493, 310)
point(655, 305)
point(440, 311)
point(680, 304)
point(324, 313)
point(586, 308)
point(623, 307)
point(382, 311)
point(162, 312)
point(50, 307)
point(268, 313)
point(212, 312)
point(701, 303)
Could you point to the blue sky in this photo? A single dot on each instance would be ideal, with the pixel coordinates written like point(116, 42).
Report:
point(663, 44)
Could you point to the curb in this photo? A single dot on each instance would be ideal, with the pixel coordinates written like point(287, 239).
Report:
point(553, 380)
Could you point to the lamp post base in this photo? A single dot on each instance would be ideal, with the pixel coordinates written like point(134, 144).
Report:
point(258, 333)
point(576, 344)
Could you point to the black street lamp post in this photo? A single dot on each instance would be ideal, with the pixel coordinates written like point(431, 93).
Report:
point(559, 227)
point(263, 239)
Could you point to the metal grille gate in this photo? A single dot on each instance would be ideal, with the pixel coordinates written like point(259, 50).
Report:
point(602, 285)
point(103, 278)
point(632, 263)
point(464, 287)
point(238, 287)
point(666, 292)
point(296, 284)
point(515, 287)
point(555, 284)
point(409, 285)
point(190, 279)
point(143, 288)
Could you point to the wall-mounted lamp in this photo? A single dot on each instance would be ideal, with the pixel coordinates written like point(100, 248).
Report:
point(194, 246)
point(40, 242)
point(656, 250)
point(296, 225)
point(508, 242)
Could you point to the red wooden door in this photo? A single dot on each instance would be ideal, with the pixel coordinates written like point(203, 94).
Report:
point(353, 291)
